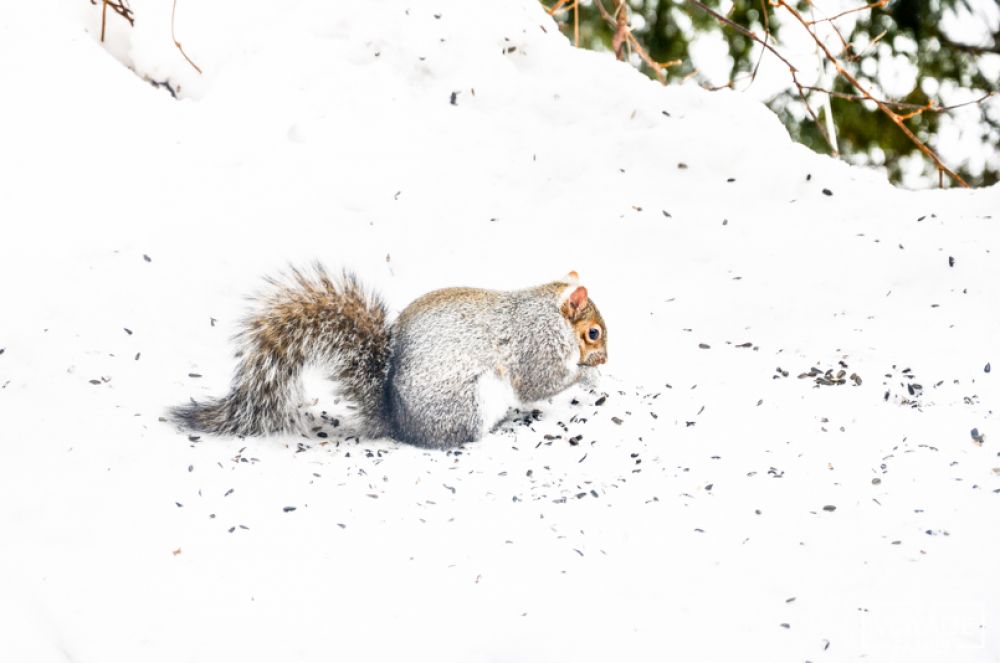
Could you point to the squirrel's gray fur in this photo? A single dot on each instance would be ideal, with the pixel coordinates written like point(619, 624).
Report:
point(417, 379)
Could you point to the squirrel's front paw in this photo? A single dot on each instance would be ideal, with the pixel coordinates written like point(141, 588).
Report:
point(589, 377)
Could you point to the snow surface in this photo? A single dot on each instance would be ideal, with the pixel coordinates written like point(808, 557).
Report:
point(699, 505)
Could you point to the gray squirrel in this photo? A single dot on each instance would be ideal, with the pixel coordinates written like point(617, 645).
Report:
point(442, 374)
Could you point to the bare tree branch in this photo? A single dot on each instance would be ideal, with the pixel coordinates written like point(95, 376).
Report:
point(897, 120)
point(623, 37)
point(791, 68)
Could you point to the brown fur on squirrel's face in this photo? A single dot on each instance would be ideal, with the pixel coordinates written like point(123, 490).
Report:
point(588, 326)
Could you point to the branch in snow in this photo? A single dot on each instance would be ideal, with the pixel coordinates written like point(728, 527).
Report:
point(765, 43)
point(173, 12)
point(120, 7)
point(623, 37)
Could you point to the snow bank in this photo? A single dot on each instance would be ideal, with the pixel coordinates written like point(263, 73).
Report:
point(717, 506)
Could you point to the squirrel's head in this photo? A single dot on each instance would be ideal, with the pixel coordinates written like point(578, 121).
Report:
point(588, 325)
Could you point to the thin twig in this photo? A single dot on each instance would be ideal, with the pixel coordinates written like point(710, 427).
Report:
point(845, 45)
point(180, 48)
point(767, 37)
point(611, 21)
point(897, 120)
point(932, 108)
point(739, 28)
point(875, 5)
point(120, 7)
point(965, 103)
point(620, 37)
point(576, 23)
point(657, 67)
point(623, 38)
point(557, 7)
point(926, 107)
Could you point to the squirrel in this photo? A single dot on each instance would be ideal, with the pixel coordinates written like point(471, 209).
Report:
point(443, 373)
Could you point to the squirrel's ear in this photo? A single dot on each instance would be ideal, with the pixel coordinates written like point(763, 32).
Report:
point(577, 299)
point(573, 276)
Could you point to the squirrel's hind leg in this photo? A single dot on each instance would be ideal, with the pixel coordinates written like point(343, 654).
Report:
point(444, 416)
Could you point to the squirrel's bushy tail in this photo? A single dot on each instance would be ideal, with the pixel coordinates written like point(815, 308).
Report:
point(309, 319)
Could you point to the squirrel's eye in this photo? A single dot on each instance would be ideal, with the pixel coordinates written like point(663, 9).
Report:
point(594, 333)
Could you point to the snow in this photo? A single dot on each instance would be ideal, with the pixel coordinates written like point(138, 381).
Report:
point(439, 145)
